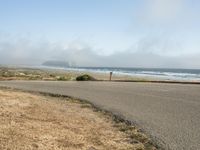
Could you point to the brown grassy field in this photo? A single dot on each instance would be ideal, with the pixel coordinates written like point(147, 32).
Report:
point(15, 73)
point(33, 121)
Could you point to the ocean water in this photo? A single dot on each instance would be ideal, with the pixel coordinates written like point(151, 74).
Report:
point(160, 73)
point(155, 73)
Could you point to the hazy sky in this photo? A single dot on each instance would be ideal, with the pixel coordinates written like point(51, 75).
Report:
point(123, 33)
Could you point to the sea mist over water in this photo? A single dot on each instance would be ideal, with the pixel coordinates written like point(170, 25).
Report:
point(27, 52)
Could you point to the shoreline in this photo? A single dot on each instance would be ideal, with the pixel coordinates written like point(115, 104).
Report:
point(59, 74)
point(165, 74)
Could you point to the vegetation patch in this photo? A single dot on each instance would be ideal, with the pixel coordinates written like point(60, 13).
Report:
point(7, 73)
point(85, 77)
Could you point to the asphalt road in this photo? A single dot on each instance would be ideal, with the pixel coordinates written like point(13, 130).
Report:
point(170, 113)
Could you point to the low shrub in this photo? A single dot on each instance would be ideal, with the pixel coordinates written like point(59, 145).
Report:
point(85, 77)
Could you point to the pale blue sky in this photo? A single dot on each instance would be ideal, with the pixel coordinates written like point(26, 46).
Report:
point(101, 29)
point(95, 21)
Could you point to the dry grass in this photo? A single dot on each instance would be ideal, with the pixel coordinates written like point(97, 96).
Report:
point(29, 121)
point(9, 73)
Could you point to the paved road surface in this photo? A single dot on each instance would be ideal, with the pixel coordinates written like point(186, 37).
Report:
point(169, 112)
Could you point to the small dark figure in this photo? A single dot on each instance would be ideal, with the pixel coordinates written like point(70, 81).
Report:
point(111, 75)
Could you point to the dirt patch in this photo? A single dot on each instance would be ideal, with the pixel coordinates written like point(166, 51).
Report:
point(30, 121)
